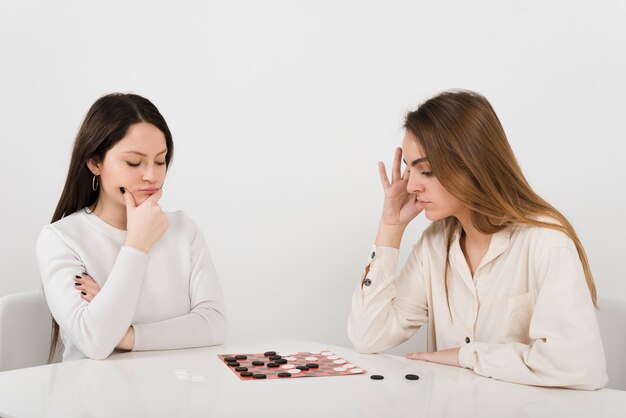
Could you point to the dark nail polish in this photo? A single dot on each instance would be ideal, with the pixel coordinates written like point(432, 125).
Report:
point(78, 277)
point(83, 293)
point(84, 273)
point(76, 284)
point(122, 190)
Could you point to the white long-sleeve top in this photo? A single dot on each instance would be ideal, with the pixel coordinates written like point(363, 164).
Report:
point(171, 295)
point(526, 316)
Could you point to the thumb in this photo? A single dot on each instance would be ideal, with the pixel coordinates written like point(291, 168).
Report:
point(154, 197)
point(128, 198)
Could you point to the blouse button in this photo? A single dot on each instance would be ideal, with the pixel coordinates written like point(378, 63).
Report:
point(467, 340)
point(367, 282)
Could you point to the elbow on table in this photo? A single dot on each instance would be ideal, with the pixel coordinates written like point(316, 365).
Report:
point(592, 379)
point(97, 352)
point(361, 341)
point(95, 348)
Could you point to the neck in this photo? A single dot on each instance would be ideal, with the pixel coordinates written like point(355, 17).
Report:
point(111, 212)
point(472, 236)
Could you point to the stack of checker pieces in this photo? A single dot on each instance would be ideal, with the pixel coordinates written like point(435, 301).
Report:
point(273, 365)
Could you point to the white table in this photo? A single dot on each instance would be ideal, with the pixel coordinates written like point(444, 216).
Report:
point(144, 385)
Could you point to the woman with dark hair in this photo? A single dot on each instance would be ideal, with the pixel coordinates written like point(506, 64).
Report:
point(118, 272)
point(499, 277)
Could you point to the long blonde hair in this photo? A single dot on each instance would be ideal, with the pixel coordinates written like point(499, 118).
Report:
point(469, 153)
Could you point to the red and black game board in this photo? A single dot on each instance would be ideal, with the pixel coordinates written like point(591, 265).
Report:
point(272, 365)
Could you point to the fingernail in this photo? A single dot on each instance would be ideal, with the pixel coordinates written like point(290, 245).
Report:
point(84, 273)
point(83, 293)
point(76, 284)
point(122, 190)
point(78, 277)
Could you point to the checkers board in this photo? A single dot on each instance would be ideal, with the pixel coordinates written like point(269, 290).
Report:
point(283, 365)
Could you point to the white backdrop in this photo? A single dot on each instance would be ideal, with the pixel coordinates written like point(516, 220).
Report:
point(280, 111)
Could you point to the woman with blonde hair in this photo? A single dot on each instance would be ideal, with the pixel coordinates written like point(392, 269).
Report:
point(500, 277)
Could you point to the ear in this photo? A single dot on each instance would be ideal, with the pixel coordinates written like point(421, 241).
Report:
point(94, 167)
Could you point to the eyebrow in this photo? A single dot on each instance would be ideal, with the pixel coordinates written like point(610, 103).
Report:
point(416, 162)
point(142, 154)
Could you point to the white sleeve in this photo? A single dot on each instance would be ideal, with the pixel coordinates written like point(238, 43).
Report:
point(96, 327)
point(387, 309)
point(205, 324)
point(566, 348)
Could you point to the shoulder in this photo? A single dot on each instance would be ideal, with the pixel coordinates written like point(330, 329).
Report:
point(67, 226)
point(62, 238)
point(543, 238)
point(181, 223)
point(180, 220)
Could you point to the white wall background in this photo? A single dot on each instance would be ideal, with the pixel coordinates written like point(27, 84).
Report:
point(280, 111)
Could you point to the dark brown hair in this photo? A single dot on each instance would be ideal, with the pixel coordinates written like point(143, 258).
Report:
point(470, 155)
point(105, 124)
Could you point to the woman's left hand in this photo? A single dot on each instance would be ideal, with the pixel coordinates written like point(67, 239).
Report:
point(87, 287)
point(449, 357)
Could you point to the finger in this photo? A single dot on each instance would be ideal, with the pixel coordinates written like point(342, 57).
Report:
point(384, 180)
point(89, 287)
point(154, 197)
point(397, 161)
point(416, 356)
point(86, 297)
point(128, 198)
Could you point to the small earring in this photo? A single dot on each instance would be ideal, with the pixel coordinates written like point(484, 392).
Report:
point(95, 183)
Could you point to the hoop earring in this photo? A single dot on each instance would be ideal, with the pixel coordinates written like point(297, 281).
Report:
point(95, 183)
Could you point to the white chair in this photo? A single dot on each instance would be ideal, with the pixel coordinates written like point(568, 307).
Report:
point(612, 322)
point(25, 324)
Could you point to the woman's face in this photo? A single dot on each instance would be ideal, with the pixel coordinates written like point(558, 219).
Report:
point(136, 163)
point(429, 194)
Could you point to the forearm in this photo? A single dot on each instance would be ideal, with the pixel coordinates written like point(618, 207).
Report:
point(574, 364)
point(390, 310)
point(389, 235)
point(201, 327)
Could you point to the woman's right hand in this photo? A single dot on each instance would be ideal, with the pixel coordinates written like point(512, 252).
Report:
point(145, 223)
point(399, 208)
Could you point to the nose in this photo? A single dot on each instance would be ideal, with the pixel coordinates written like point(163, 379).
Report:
point(414, 184)
point(149, 173)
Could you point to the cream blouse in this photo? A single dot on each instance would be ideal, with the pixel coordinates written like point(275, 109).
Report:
point(526, 316)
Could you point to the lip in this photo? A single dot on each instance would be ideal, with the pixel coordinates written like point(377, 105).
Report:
point(149, 190)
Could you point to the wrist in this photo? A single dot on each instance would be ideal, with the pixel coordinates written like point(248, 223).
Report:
point(389, 235)
point(128, 341)
point(136, 244)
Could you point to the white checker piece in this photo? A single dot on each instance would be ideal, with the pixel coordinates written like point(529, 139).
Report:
point(288, 366)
